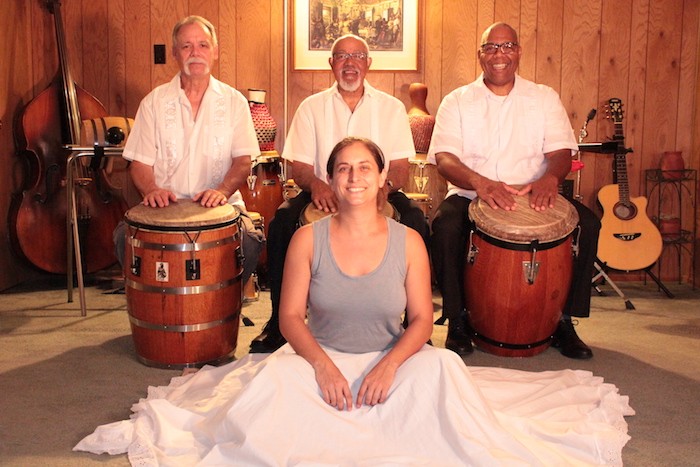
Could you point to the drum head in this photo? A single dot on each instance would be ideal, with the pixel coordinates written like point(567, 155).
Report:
point(311, 213)
point(184, 213)
point(524, 224)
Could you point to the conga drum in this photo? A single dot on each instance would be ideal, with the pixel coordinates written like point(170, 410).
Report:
point(105, 131)
point(183, 283)
point(263, 194)
point(517, 275)
point(311, 213)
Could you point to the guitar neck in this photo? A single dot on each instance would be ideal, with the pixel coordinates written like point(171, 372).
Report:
point(620, 166)
point(621, 177)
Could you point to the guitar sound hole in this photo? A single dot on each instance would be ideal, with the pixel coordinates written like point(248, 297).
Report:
point(625, 211)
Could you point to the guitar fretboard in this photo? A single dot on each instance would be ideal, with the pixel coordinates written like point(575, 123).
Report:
point(615, 107)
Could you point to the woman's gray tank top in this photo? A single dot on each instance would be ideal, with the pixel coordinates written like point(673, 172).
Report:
point(357, 314)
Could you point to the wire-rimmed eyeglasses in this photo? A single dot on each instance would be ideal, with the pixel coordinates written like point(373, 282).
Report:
point(355, 56)
point(506, 48)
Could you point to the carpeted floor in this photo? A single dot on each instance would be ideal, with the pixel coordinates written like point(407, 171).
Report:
point(61, 374)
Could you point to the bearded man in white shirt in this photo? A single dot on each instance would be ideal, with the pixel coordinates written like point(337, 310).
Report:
point(351, 107)
point(193, 138)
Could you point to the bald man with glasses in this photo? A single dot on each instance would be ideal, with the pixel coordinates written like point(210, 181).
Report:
point(496, 138)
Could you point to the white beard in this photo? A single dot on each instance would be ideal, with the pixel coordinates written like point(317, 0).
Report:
point(349, 87)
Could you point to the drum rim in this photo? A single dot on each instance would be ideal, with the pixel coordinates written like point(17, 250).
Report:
point(181, 227)
point(522, 245)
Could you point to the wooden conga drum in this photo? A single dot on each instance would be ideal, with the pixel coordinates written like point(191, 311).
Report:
point(311, 213)
point(263, 194)
point(105, 131)
point(183, 283)
point(517, 275)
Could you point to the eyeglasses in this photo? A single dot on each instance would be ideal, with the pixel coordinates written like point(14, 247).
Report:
point(355, 56)
point(506, 48)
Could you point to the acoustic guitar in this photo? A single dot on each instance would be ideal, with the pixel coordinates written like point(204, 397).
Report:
point(628, 240)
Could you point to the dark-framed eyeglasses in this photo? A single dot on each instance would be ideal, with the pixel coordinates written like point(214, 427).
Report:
point(506, 48)
point(361, 56)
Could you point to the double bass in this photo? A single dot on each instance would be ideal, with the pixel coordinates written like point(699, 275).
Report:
point(38, 213)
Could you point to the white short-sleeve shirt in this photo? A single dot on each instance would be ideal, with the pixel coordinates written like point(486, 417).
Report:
point(189, 156)
point(323, 119)
point(503, 138)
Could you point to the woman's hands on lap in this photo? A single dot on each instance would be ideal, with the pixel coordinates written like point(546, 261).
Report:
point(333, 385)
point(375, 387)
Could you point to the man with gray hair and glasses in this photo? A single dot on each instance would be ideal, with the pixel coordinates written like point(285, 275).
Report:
point(351, 107)
point(498, 138)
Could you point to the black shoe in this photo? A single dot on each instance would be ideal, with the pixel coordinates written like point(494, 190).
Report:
point(568, 342)
point(458, 338)
point(269, 340)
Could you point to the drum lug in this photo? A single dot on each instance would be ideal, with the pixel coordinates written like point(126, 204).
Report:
point(530, 272)
point(240, 257)
point(136, 266)
point(575, 245)
point(532, 267)
point(192, 269)
point(251, 182)
point(473, 250)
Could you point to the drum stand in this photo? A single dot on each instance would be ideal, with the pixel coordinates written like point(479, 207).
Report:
point(73, 239)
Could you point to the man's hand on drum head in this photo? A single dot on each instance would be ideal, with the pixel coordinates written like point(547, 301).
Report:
point(211, 198)
point(323, 197)
point(543, 192)
point(159, 198)
point(498, 195)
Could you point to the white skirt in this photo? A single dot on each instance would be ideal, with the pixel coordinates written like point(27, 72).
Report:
point(266, 410)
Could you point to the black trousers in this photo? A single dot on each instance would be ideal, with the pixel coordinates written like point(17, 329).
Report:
point(286, 221)
point(448, 243)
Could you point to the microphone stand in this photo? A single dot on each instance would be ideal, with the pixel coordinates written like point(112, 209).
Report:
point(583, 133)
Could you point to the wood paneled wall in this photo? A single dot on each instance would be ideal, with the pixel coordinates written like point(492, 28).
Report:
point(642, 51)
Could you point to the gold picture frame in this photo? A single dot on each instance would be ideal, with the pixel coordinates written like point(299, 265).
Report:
point(392, 32)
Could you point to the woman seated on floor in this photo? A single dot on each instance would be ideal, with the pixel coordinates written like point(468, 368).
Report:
point(352, 387)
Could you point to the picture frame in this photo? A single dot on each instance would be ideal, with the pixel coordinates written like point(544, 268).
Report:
point(392, 34)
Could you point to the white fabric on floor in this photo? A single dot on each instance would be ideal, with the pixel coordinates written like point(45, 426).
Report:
point(266, 411)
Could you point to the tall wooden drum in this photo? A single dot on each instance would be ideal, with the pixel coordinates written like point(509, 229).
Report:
point(264, 193)
point(183, 283)
point(517, 275)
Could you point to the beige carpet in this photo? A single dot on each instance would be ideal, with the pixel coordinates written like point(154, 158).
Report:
point(61, 374)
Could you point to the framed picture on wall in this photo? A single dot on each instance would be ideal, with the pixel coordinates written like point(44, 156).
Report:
point(390, 27)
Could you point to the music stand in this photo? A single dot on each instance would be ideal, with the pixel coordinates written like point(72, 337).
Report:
point(97, 153)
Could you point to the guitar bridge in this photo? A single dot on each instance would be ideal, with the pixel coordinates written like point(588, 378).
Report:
point(627, 237)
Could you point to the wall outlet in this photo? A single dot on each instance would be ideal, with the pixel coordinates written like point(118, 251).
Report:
point(159, 54)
